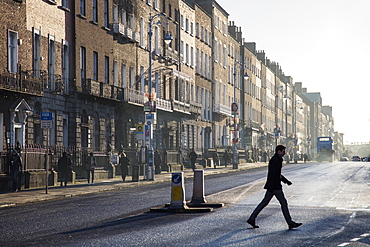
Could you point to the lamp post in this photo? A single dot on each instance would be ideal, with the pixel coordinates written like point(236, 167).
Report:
point(235, 112)
point(150, 112)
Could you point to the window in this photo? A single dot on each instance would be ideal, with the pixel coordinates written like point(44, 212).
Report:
point(65, 3)
point(156, 84)
point(51, 62)
point(141, 31)
point(132, 22)
point(206, 65)
point(187, 25)
point(202, 69)
point(202, 33)
point(123, 17)
point(156, 4)
point(95, 66)
point(65, 65)
point(216, 50)
point(197, 64)
point(192, 56)
point(115, 73)
point(156, 40)
point(210, 68)
point(82, 8)
point(220, 53)
point(36, 52)
point(187, 54)
point(225, 54)
point(83, 63)
point(132, 77)
point(106, 13)
point(115, 14)
point(182, 22)
point(197, 26)
point(124, 75)
point(106, 66)
point(182, 51)
point(95, 10)
point(164, 6)
point(12, 51)
point(142, 78)
point(192, 28)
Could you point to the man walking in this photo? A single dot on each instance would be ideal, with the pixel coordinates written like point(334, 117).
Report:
point(273, 188)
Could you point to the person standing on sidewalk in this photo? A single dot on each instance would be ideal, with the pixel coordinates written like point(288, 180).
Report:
point(157, 162)
point(273, 188)
point(124, 162)
point(15, 168)
point(64, 168)
point(90, 168)
point(226, 157)
point(193, 158)
point(215, 159)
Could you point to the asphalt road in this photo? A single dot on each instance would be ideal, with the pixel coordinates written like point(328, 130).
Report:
point(331, 199)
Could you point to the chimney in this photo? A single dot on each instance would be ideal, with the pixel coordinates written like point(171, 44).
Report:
point(261, 55)
point(251, 46)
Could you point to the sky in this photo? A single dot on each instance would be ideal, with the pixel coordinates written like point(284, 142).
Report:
point(325, 44)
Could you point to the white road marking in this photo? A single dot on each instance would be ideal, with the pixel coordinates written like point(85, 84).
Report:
point(365, 235)
point(354, 239)
point(344, 244)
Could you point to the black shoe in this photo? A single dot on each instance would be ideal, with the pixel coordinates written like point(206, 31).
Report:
point(294, 225)
point(252, 223)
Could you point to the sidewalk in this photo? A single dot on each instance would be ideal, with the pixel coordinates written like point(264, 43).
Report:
point(82, 188)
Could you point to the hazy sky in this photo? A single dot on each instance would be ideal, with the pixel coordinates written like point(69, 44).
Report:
point(325, 44)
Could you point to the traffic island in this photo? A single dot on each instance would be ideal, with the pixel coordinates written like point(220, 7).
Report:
point(178, 204)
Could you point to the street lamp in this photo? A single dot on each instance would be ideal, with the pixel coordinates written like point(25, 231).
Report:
point(150, 112)
point(235, 112)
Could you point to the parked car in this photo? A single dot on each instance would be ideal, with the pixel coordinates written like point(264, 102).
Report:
point(366, 159)
point(344, 159)
point(356, 158)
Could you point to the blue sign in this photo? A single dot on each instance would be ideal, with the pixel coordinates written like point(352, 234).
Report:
point(176, 178)
point(46, 116)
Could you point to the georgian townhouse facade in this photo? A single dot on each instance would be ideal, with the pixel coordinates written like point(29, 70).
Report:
point(88, 63)
point(236, 78)
point(252, 96)
point(269, 140)
point(222, 91)
point(203, 75)
point(36, 74)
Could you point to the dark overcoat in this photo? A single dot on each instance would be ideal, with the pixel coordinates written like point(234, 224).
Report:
point(274, 177)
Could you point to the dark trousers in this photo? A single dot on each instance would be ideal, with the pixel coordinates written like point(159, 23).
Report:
point(124, 171)
point(268, 196)
point(92, 175)
point(15, 178)
point(192, 162)
point(63, 177)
